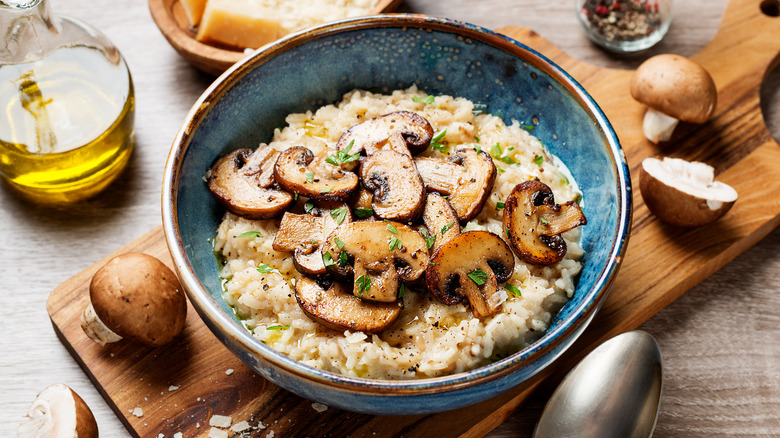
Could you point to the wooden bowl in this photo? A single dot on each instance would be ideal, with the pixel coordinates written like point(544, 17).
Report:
point(170, 17)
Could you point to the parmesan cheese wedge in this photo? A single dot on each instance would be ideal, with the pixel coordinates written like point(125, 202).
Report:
point(238, 23)
point(194, 10)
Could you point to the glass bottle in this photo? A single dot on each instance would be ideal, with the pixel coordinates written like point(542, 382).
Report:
point(66, 105)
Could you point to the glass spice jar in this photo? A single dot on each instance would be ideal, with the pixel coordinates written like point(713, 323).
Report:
point(625, 26)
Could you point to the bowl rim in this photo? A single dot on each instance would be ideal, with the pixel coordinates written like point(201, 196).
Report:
point(220, 321)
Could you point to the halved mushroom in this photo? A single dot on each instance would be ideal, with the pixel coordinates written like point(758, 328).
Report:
point(440, 220)
point(336, 308)
point(58, 412)
point(296, 170)
point(377, 255)
point(533, 222)
point(303, 234)
point(470, 266)
point(242, 181)
point(684, 193)
point(404, 132)
point(399, 192)
point(466, 178)
point(674, 88)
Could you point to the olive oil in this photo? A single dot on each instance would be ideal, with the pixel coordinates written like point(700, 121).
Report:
point(66, 123)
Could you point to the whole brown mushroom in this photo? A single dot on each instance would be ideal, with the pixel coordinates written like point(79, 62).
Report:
point(58, 412)
point(137, 297)
point(674, 88)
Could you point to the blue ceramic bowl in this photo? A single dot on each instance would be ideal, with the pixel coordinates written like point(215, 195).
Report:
point(316, 67)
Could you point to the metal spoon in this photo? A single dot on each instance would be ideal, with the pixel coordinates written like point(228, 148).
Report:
point(615, 391)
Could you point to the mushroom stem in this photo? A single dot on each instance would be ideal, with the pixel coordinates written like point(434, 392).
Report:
point(95, 329)
point(658, 126)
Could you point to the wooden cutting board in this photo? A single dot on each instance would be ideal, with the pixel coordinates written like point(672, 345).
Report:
point(178, 388)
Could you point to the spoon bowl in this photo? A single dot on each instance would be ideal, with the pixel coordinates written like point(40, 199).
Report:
point(615, 391)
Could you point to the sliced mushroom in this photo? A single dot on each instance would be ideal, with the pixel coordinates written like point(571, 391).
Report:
point(296, 170)
point(466, 178)
point(336, 308)
point(302, 234)
point(399, 192)
point(242, 182)
point(362, 203)
point(674, 88)
point(533, 222)
point(684, 193)
point(470, 266)
point(440, 220)
point(58, 412)
point(377, 255)
point(404, 132)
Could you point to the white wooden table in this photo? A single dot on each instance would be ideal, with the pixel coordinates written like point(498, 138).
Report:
point(720, 342)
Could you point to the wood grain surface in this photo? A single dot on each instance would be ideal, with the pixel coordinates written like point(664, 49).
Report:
point(720, 340)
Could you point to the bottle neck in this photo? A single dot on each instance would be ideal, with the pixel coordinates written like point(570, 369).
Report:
point(30, 32)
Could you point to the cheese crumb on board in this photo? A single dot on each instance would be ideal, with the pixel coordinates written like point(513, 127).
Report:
point(254, 23)
point(240, 426)
point(220, 421)
point(217, 433)
point(138, 412)
point(319, 407)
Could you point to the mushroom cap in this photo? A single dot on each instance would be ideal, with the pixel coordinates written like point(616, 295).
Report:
point(241, 181)
point(58, 412)
point(336, 308)
point(297, 171)
point(452, 267)
point(533, 222)
point(676, 86)
point(139, 298)
point(404, 132)
point(684, 193)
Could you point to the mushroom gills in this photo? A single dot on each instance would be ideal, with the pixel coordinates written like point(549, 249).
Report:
point(470, 266)
point(336, 308)
point(298, 170)
point(466, 179)
point(58, 412)
point(247, 189)
point(533, 223)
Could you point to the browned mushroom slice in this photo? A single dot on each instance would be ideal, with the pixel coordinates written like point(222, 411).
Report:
point(470, 266)
point(297, 170)
point(440, 220)
point(533, 223)
point(336, 308)
point(399, 192)
point(302, 234)
point(377, 255)
point(362, 203)
point(402, 131)
point(240, 181)
point(466, 178)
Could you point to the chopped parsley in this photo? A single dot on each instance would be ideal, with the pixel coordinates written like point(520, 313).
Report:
point(429, 99)
point(327, 259)
point(363, 283)
point(500, 205)
point(249, 234)
point(363, 212)
point(544, 221)
point(401, 291)
point(343, 156)
point(308, 206)
point(339, 242)
point(508, 160)
point(264, 268)
point(514, 290)
point(578, 199)
point(496, 151)
point(478, 276)
point(326, 190)
point(428, 238)
point(436, 141)
point(338, 214)
point(394, 243)
point(343, 259)
point(538, 160)
point(277, 327)
point(479, 108)
point(478, 148)
point(508, 233)
point(310, 177)
point(528, 127)
point(446, 227)
point(392, 229)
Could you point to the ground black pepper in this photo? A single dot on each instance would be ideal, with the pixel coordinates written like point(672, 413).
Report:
point(622, 20)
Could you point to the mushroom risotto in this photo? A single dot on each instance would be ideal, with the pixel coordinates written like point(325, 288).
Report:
point(383, 250)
